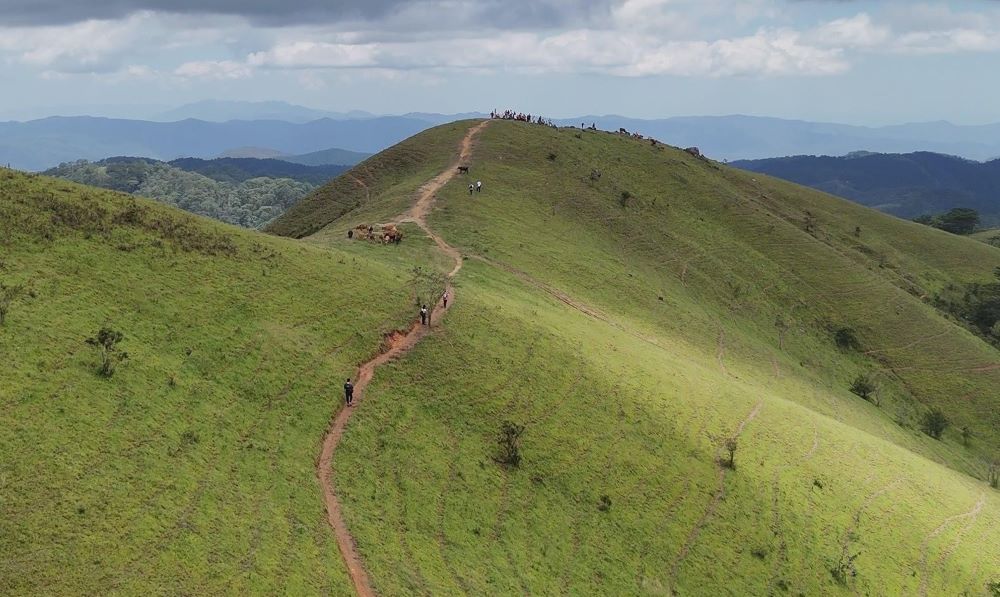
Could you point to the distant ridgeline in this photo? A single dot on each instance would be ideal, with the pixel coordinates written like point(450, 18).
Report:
point(906, 185)
point(243, 191)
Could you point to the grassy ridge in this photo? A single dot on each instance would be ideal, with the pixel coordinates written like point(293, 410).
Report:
point(684, 278)
point(379, 186)
point(191, 470)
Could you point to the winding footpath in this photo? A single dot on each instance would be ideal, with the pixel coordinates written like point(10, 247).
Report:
point(397, 347)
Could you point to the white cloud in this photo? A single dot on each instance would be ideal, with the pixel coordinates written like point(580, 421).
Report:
point(89, 46)
point(312, 54)
point(213, 69)
point(858, 31)
point(770, 53)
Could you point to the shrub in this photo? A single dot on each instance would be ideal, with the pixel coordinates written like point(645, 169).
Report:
point(993, 588)
point(552, 157)
point(994, 475)
point(8, 294)
point(605, 503)
point(106, 343)
point(934, 423)
point(623, 199)
point(509, 444)
point(966, 435)
point(865, 387)
point(844, 569)
point(846, 339)
point(730, 446)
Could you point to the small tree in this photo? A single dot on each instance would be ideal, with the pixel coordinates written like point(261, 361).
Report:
point(8, 294)
point(865, 387)
point(934, 423)
point(966, 436)
point(426, 286)
point(994, 475)
point(730, 446)
point(509, 444)
point(846, 339)
point(781, 324)
point(106, 342)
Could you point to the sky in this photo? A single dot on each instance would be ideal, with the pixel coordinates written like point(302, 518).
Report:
point(853, 61)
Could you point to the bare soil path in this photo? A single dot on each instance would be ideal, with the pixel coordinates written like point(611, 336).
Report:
point(398, 344)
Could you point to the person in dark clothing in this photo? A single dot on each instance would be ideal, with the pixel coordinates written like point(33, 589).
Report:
point(350, 234)
point(471, 188)
point(349, 392)
point(445, 299)
point(423, 315)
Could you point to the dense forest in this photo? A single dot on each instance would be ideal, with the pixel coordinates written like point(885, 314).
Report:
point(243, 169)
point(245, 192)
point(906, 185)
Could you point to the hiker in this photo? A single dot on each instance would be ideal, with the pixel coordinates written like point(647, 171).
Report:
point(479, 186)
point(471, 188)
point(444, 297)
point(349, 392)
point(423, 315)
point(350, 234)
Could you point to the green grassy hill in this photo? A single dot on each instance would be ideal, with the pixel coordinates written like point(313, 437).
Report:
point(190, 470)
point(632, 306)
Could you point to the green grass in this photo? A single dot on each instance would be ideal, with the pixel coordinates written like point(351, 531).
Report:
point(690, 274)
point(191, 470)
point(206, 484)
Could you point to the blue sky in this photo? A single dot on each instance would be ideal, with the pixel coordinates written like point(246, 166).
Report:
point(864, 62)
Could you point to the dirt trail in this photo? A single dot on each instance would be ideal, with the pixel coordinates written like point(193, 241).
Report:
point(717, 497)
point(398, 345)
point(925, 569)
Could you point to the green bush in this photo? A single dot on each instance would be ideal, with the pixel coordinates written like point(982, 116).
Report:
point(106, 343)
point(934, 423)
point(864, 387)
point(509, 444)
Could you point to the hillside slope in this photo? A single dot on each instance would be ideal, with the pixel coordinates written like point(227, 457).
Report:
point(906, 185)
point(191, 469)
point(633, 306)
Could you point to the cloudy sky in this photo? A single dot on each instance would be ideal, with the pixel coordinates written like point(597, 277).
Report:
point(860, 61)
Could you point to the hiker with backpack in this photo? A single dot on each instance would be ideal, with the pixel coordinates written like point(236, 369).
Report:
point(479, 186)
point(444, 297)
point(471, 188)
point(349, 392)
point(423, 315)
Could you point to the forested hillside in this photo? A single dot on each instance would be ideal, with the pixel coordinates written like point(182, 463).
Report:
point(907, 185)
point(245, 192)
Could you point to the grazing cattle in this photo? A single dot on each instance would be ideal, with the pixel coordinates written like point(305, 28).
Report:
point(694, 151)
point(463, 169)
point(622, 131)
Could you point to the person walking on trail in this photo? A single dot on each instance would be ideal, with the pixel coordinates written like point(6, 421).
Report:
point(479, 186)
point(444, 297)
point(471, 188)
point(349, 392)
point(423, 315)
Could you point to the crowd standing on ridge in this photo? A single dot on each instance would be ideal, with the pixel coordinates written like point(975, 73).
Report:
point(520, 117)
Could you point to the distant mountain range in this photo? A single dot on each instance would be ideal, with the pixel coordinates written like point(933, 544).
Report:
point(753, 137)
point(906, 185)
point(340, 157)
point(274, 129)
point(41, 144)
point(224, 111)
